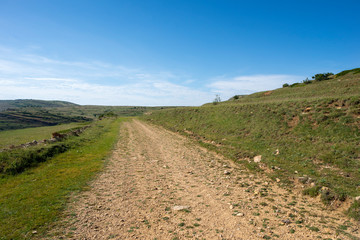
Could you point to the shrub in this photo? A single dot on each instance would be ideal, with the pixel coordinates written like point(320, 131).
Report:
point(285, 85)
point(294, 84)
point(322, 76)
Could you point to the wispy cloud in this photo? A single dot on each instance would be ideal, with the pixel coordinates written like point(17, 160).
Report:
point(240, 85)
point(25, 75)
point(91, 82)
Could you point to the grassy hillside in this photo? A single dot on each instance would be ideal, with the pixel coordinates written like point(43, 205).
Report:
point(34, 117)
point(32, 200)
point(342, 85)
point(308, 132)
point(24, 103)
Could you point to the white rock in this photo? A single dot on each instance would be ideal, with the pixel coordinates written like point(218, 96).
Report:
point(257, 159)
point(226, 172)
point(179, 208)
point(357, 198)
point(278, 180)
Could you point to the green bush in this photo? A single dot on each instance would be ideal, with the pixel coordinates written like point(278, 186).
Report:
point(285, 85)
point(322, 76)
point(294, 84)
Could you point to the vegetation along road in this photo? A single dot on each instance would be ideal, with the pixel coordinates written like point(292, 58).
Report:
point(161, 185)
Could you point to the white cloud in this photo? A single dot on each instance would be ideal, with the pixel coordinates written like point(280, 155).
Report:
point(228, 87)
point(25, 75)
point(146, 93)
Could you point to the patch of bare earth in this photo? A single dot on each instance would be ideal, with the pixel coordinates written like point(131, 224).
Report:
point(153, 173)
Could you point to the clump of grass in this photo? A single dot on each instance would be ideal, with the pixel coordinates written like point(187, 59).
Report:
point(312, 192)
point(312, 228)
point(327, 196)
point(354, 210)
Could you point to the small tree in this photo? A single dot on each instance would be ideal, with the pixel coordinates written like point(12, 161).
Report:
point(217, 99)
point(307, 81)
point(285, 85)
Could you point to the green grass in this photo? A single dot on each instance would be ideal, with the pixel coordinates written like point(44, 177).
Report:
point(20, 136)
point(316, 129)
point(354, 71)
point(34, 199)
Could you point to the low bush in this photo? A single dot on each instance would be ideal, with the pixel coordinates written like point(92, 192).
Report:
point(322, 76)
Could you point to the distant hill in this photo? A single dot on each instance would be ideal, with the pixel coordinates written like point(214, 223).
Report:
point(25, 113)
point(25, 103)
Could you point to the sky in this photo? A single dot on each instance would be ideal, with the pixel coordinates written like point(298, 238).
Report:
point(169, 52)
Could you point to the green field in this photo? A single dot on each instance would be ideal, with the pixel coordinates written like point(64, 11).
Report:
point(315, 127)
point(33, 200)
point(20, 136)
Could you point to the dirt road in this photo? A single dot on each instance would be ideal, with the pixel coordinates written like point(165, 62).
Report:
point(160, 185)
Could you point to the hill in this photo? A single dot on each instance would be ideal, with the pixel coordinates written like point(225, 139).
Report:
point(26, 103)
point(34, 117)
point(343, 84)
point(17, 114)
point(307, 134)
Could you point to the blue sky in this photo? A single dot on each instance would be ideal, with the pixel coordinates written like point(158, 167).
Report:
point(169, 52)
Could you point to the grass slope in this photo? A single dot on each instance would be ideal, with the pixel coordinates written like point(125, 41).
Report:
point(20, 136)
point(315, 127)
point(34, 117)
point(340, 86)
point(32, 200)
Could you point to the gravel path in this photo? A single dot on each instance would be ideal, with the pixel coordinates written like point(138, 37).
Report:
point(160, 185)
